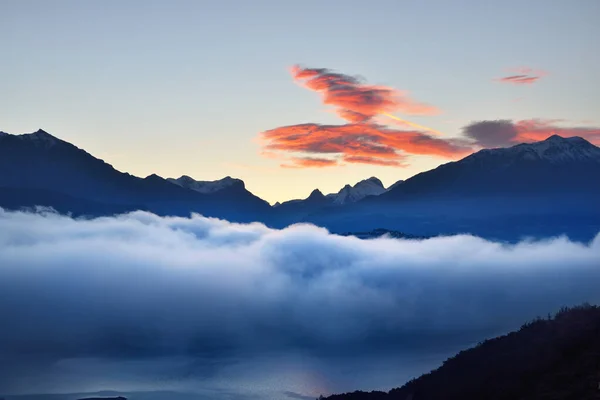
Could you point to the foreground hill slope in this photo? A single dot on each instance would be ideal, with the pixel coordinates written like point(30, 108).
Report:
point(551, 359)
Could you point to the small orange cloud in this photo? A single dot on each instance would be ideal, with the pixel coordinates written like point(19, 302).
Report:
point(354, 100)
point(373, 161)
point(310, 162)
point(523, 76)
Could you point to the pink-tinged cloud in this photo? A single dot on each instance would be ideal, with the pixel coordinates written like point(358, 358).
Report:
point(503, 133)
point(354, 100)
point(523, 76)
point(373, 161)
point(360, 143)
point(310, 162)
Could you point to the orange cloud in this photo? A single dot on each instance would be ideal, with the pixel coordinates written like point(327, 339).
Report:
point(355, 101)
point(523, 76)
point(360, 143)
point(373, 161)
point(310, 162)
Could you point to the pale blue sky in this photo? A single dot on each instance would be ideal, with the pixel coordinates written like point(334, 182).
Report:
point(185, 87)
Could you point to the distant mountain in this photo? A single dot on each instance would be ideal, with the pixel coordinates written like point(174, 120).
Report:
point(555, 164)
point(42, 162)
point(351, 194)
point(293, 211)
point(207, 186)
point(539, 189)
point(377, 233)
point(297, 210)
point(550, 359)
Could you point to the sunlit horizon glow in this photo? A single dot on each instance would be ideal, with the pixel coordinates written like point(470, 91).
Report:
point(188, 97)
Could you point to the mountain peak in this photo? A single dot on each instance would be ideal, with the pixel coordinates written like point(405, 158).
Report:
point(555, 138)
point(41, 132)
point(40, 138)
point(154, 177)
point(374, 180)
point(555, 150)
point(316, 194)
point(350, 194)
point(207, 186)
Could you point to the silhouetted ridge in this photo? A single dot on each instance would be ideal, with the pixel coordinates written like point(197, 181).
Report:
point(551, 359)
point(43, 164)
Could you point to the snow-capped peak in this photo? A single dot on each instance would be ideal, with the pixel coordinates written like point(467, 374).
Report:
point(351, 194)
point(206, 186)
point(555, 149)
point(39, 138)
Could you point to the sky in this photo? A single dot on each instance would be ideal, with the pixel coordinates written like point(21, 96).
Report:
point(138, 302)
point(209, 89)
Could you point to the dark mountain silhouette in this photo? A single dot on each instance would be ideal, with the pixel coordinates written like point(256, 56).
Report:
point(540, 189)
point(47, 166)
point(293, 211)
point(550, 359)
point(537, 168)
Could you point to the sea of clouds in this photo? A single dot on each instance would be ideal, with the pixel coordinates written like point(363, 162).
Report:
point(140, 301)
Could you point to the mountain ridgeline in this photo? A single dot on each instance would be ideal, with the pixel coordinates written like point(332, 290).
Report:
point(539, 189)
point(552, 359)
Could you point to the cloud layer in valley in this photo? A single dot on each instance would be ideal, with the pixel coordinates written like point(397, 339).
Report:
point(109, 298)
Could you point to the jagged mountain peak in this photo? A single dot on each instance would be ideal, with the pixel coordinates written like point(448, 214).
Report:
point(350, 194)
point(316, 194)
point(374, 180)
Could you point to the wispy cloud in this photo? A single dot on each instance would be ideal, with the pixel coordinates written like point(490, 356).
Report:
point(501, 133)
point(354, 100)
point(308, 162)
point(523, 76)
point(374, 161)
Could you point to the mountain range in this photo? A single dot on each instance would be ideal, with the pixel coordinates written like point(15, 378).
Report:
point(537, 189)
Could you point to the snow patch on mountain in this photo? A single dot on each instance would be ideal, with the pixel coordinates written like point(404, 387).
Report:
point(39, 138)
point(351, 194)
point(555, 150)
point(206, 187)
